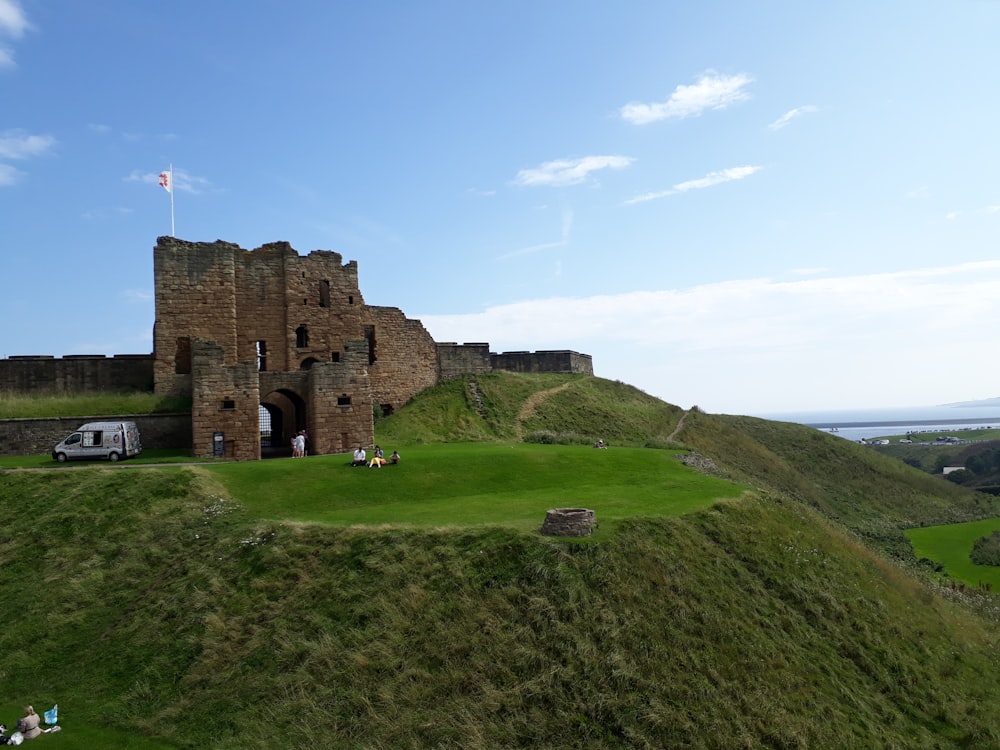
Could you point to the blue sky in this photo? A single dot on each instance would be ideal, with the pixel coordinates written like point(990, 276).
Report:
point(752, 207)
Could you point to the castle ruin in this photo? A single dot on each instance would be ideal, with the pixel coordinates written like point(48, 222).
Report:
point(267, 342)
point(239, 330)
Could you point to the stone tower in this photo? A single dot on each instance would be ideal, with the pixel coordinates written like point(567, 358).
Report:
point(238, 330)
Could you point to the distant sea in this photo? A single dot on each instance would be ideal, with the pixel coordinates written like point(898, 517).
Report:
point(860, 424)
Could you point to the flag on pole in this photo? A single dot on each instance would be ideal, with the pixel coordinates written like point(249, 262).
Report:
point(166, 182)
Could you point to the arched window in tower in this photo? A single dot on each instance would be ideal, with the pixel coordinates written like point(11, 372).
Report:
point(324, 293)
point(301, 337)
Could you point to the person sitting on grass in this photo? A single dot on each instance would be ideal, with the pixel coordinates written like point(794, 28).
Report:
point(394, 458)
point(28, 726)
point(359, 457)
point(378, 458)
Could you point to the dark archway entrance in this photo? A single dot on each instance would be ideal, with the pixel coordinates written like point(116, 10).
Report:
point(282, 415)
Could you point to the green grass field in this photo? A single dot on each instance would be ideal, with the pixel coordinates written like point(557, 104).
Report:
point(463, 484)
point(950, 545)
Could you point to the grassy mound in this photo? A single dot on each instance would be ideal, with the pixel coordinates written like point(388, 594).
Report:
point(149, 603)
point(302, 603)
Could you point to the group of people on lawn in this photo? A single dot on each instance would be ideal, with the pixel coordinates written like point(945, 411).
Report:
point(378, 459)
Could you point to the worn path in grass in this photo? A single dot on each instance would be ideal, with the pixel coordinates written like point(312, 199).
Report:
point(530, 406)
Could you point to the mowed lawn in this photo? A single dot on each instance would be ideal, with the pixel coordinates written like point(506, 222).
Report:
point(473, 484)
point(950, 546)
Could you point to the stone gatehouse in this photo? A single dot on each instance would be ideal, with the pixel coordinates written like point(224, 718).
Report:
point(270, 332)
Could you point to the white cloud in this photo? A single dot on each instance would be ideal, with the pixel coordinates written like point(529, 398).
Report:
point(765, 345)
point(569, 171)
point(791, 115)
point(567, 226)
point(709, 180)
point(712, 91)
point(13, 22)
point(9, 175)
point(16, 144)
point(183, 181)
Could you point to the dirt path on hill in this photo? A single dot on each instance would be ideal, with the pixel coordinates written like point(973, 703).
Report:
point(530, 406)
point(678, 428)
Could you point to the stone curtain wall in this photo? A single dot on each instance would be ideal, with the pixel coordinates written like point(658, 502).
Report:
point(27, 437)
point(405, 357)
point(456, 360)
point(558, 361)
point(73, 373)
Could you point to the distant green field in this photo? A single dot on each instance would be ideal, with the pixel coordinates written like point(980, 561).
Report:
point(950, 545)
point(474, 484)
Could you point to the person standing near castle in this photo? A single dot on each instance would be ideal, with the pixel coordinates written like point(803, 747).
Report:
point(299, 445)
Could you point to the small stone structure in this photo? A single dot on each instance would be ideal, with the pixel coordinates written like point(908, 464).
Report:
point(569, 522)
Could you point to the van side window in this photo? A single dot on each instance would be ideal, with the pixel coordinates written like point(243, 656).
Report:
point(91, 439)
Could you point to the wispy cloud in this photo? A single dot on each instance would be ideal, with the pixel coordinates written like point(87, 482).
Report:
point(712, 91)
point(13, 24)
point(569, 171)
point(567, 226)
point(709, 180)
point(791, 115)
point(183, 180)
point(16, 144)
point(767, 343)
point(9, 175)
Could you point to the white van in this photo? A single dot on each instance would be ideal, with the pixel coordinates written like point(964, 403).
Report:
point(110, 440)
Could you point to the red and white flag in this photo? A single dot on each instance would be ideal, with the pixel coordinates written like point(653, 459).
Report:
point(166, 183)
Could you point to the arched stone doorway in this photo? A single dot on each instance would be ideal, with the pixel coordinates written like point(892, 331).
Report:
point(282, 415)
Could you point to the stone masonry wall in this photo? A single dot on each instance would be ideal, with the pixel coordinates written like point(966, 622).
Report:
point(562, 361)
point(195, 298)
point(455, 360)
point(405, 356)
point(225, 398)
point(74, 373)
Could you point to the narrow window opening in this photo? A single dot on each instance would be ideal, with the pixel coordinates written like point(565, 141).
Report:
point(350, 299)
point(301, 337)
point(335, 357)
point(262, 356)
point(370, 336)
point(228, 403)
point(324, 293)
point(343, 400)
point(182, 356)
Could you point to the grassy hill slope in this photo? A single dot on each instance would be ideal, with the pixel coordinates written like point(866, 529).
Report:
point(179, 607)
point(150, 604)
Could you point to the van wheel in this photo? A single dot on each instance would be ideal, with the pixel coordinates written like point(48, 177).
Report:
point(61, 458)
point(112, 456)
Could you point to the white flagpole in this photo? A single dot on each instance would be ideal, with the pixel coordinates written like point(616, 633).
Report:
point(172, 234)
